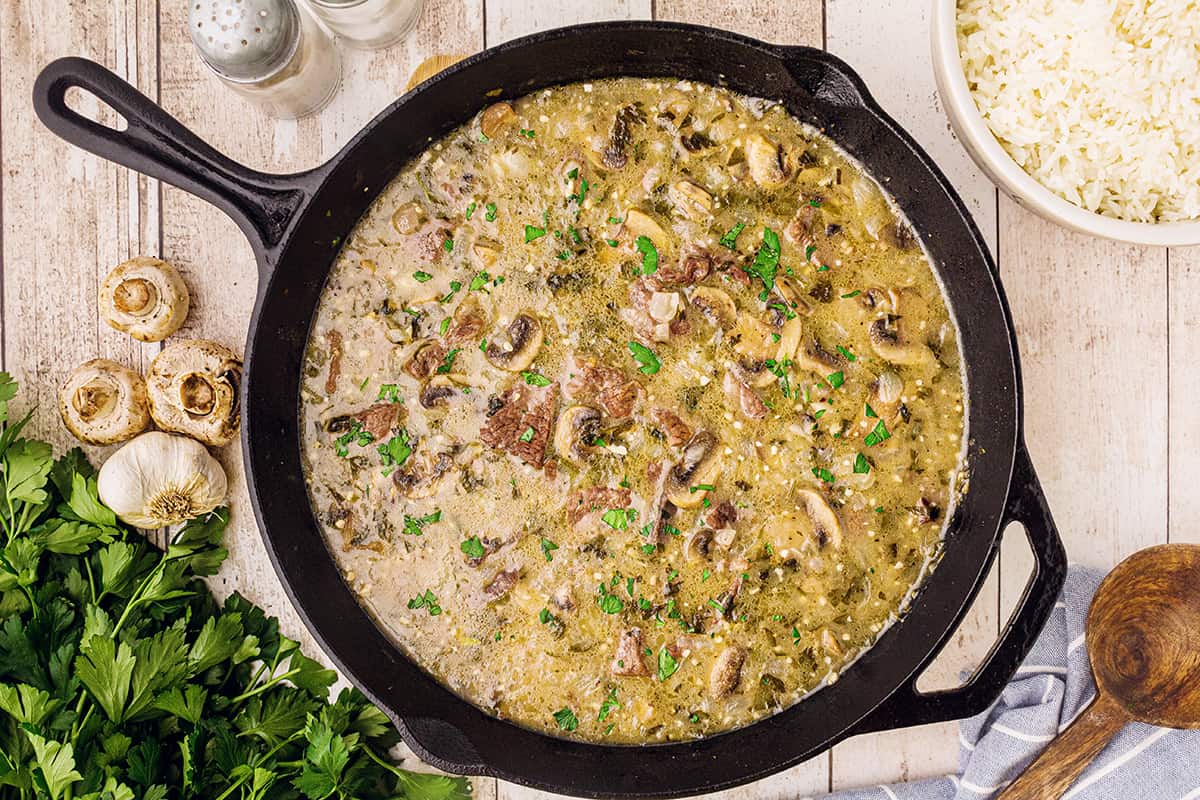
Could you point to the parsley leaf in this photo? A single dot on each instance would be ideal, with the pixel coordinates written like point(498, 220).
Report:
point(730, 238)
point(667, 665)
point(473, 547)
point(547, 547)
point(649, 255)
point(535, 379)
point(766, 262)
point(646, 357)
point(566, 719)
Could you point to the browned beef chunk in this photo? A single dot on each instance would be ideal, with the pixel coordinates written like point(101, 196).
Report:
point(379, 419)
point(607, 387)
point(627, 661)
point(523, 423)
point(596, 498)
point(500, 585)
point(674, 428)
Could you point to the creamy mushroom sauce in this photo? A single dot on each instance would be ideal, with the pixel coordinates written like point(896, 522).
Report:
point(632, 411)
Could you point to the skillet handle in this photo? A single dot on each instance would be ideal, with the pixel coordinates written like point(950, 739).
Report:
point(1026, 505)
point(156, 144)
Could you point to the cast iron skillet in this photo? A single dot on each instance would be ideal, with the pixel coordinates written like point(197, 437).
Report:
point(295, 223)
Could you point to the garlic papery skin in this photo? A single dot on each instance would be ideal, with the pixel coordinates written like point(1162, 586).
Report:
point(160, 479)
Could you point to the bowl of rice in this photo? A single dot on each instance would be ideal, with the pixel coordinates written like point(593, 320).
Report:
point(1085, 111)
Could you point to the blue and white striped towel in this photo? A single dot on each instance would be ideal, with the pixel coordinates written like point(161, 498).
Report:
point(1053, 687)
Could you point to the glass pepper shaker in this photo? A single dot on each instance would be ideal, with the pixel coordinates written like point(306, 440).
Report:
point(270, 51)
point(368, 24)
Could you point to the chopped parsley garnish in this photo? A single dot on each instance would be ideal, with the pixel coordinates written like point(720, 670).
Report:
point(645, 356)
point(701, 487)
point(612, 242)
point(545, 616)
point(447, 362)
point(861, 465)
point(454, 287)
point(566, 719)
point(479, 281)
point(880, 434)
point(609, 603)
point(535, 379)
point(649, 549)
point(470, 210)
point(489, 212)
point(730, 238)
point(420, 276)
point(649, 255)
point(547, 547)
point(808, 252)
point(796, 636)
point(575, 236)
point(815, 202)
point(527, 436)
point(414, 526)
point(448, 245)
point(444, 326)
point(472, 548)
point(836, 379)
point(357, 435)
point(619, 518)
point(483, 345)
point(608, 706)
point(823, 474)
point(845, 351)
point(388, 393)
point(564, 255)
point(705, 576)
point(855, 293)
point(583, 190)
point(533, 232)
point(878, 509)
point(766, 262)
point(396, 450)
point(528, 133)
point(427, 600)
point(667, 665)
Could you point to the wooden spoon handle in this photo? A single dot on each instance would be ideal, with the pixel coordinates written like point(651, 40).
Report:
point(1065, 758)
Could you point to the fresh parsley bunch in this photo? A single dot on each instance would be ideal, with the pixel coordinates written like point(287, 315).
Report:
point(121, 677)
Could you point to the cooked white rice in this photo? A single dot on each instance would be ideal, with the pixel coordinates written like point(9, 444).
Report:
point(1099, 100)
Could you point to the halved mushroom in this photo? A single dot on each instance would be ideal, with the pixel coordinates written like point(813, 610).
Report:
point(690, 200)
point(698, 468)
point(813, 520)
point(813, 357)
point(144, 297)
point(770, 165)
point(790, 295)
point(716, 305)
point(518, 346)
point(193, 386)
point(896, 337)
point(726, 671)
point(789, 340)
point(424, 358)
point(740, 395)
point(469, 321)
point(437, 391)
point(408, 218)
point(577, 429)
point(496, 118)
point(423, 474)
point(639, 223)
point(885, 394)
point(485, 251)
point(103, 402)
point(698, 544)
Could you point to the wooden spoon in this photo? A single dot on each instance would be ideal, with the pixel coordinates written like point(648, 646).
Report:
point(1143, 636)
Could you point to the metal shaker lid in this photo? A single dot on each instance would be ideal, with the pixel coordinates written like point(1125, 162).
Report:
point(244, 40)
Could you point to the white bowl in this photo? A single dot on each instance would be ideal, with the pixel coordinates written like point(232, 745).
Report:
point(979, 141)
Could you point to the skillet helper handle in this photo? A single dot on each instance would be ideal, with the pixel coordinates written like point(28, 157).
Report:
point(156, 144)
point(1026, 504)
point(1064, 759)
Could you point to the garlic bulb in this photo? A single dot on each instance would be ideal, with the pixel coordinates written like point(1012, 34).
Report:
point(160, 479)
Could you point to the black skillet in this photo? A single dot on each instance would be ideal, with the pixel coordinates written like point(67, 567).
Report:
point(295, 223)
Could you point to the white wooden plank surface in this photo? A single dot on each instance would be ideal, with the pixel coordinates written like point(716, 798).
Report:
point(1108, 332)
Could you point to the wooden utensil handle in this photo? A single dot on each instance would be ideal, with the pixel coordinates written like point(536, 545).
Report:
point(1066, 757)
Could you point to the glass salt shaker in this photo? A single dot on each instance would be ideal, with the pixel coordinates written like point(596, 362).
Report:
point(368, 24)
point(270, 51)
